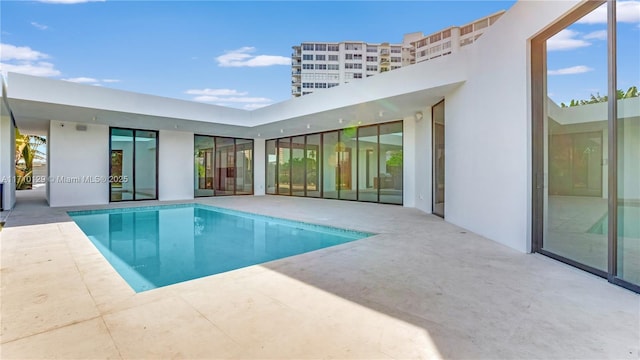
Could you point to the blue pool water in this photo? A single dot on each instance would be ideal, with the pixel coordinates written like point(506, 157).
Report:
point(628, 223)
point(152, 247)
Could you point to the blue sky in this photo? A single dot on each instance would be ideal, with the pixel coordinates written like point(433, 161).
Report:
point(577, 55)
point(180, 48)
point(237, 53)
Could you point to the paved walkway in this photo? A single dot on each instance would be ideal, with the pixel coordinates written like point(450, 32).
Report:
point(422, 288)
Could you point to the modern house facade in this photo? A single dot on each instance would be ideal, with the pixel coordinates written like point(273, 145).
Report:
point(475, 137)
point(323, 65)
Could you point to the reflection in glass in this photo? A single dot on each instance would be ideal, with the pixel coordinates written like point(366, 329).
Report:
point(347, 163)
point(121, 165)
point(628, 81)
point(363, 164)
point(368, 163)
point(312, 165)
point(438, 159)
point(145, 165)
point(244, 167)
point(271, 166)
point(390, 164)
point(203, 167)
point(297, 166)
point(576, 160)
point(225, 166)
point(330, 168)
point(133, 164)
point(284, 166)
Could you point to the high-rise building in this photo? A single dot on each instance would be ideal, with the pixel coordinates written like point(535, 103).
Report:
point(322, 65)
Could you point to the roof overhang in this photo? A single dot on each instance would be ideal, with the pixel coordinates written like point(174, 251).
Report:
point(394, 95)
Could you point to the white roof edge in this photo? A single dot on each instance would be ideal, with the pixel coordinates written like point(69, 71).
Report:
point(40, 89)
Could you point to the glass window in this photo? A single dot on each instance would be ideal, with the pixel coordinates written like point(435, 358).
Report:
point(244, 167)
point(284, 166)
point(312, 165)
point(368, 176)
point(390, 164)
point(297, 166)
point(628, 81)
point(121, 165)
point(271, 166)
point(204, 165)
point(134, 165)
point(145, 165)
point(576, 154)
point(330, 168)
point(225, 166)
point(346, 155)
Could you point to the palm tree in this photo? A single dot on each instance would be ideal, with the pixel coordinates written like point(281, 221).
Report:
point(620, 94)
point(26, 152)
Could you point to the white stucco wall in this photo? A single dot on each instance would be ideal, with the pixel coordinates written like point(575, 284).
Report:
point(175, 165)
point(73, 155)
point(488, 129)
point(423, 162)
point(409, 160)
point(7, 152)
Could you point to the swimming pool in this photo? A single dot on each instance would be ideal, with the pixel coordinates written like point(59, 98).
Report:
point(152, 247)
point(628, 223)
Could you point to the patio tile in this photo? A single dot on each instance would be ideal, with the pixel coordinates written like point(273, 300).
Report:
point(168, 328)
point(85, 340)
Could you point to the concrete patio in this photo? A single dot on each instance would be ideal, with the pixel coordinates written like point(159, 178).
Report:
point(422, 288)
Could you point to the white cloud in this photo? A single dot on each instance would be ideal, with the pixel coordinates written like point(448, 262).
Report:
point(596, 35)
point(254, 106)
point(31, 68)
point(39, 26)
point(242, 57)
point(566, 40)
point(229, 97)
point(82, 80)
point(25, 60)
point(207, 98)
point(626, 12)
point(579, 69)
point(92, 81)
point(10, 52)
point(68, 1)
point(215, 92)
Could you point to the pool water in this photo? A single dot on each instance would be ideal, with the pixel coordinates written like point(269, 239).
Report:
point(628, 223)
point(152, 247)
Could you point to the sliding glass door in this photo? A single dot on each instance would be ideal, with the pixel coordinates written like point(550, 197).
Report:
point(133, 165)
point(586, 144)
point(438, 159)
point(222, 166)
point(358, 163)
